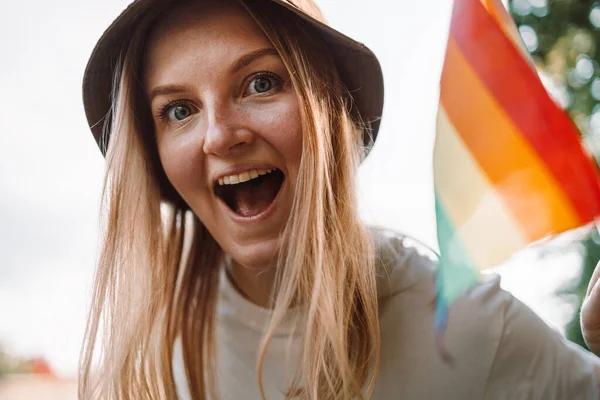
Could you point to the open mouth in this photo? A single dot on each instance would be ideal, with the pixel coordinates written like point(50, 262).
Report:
point(250, 193)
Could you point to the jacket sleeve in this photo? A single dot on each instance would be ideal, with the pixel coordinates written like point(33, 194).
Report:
point(533, 361)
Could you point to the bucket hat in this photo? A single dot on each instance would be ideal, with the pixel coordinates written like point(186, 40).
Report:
point(358, 67)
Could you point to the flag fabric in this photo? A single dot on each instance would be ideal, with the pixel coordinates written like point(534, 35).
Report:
point(509, 167)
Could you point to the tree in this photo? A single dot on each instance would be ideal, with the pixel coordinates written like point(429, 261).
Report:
point(563, 36)
point(12, 365)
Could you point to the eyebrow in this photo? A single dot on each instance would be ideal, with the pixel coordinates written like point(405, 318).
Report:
point(166, 89)
point(240, 63)
point(249, 58)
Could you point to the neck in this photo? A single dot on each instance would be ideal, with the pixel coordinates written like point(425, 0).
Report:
point(254, 284)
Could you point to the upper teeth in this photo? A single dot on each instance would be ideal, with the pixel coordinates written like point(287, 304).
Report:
point(244, 176)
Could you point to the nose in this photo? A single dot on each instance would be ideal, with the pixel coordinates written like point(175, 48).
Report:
point(225, 131)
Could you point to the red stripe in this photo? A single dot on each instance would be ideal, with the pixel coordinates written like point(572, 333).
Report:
point(518, 89)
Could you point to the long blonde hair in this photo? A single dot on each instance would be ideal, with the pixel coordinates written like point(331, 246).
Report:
point(148, 290)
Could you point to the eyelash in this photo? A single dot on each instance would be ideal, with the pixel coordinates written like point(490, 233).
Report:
point(252, 77)
point(162, 112)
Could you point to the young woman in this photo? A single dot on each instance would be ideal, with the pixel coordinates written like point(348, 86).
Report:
point(234, 264)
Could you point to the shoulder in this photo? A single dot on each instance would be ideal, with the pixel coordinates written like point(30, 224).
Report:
point(500, 346)
point(533, 361)
point(406, 272)
point(406, 290)
point(409, 360)
point(401, 262)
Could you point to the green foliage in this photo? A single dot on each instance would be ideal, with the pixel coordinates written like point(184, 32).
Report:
point(4, 367)
point(563, 37)
point(575, 293)
point(11, 365)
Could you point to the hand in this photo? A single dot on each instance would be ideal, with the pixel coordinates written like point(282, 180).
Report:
point(590, 313)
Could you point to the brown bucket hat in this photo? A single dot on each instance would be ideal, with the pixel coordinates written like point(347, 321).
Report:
point(358, 66)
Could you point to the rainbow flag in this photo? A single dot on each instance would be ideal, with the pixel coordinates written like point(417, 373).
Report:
point(509, 167)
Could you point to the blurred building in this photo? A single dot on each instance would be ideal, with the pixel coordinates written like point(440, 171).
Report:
point(34, 380)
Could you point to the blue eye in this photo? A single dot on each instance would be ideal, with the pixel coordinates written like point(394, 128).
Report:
point(179, 112)
point(175, 111)
point(261, 84)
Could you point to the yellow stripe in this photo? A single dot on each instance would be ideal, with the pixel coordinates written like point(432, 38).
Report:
point(484, 224)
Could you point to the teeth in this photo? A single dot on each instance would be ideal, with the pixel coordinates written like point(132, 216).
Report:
point(244, 176)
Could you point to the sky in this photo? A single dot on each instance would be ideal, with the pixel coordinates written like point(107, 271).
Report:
point(51, 170)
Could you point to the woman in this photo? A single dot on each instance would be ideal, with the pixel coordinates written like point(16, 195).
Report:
point(234, 263)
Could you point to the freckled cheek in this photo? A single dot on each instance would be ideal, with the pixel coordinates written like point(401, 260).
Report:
point(282, 128)
point(290, 139)
point(183, 167)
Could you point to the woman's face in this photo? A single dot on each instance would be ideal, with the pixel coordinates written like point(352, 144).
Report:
point(227, 126)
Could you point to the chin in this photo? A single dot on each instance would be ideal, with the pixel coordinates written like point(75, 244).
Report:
point(257, 256)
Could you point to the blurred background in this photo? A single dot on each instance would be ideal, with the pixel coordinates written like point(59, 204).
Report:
point(51, 170)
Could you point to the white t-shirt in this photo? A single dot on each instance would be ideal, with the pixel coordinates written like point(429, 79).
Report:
point(502, 350)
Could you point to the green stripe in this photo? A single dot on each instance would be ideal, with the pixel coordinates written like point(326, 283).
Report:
point(456, 272)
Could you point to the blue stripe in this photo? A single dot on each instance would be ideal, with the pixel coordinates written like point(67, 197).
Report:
point(456, 273)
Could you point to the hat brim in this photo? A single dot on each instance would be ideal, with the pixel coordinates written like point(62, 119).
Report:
point(358, 67)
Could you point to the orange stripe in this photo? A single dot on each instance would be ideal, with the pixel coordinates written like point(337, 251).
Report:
point(520, 177)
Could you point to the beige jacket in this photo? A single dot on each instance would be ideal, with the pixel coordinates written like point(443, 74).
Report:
point(502, 350)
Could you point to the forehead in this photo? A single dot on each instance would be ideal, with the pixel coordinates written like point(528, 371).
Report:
point(206, 30)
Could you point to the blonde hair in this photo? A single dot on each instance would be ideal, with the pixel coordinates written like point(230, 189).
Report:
point(148, 291)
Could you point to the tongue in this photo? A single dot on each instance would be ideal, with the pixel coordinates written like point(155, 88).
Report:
point(253, 198)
